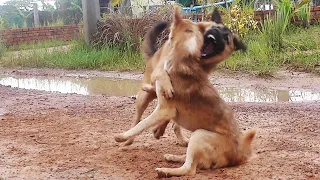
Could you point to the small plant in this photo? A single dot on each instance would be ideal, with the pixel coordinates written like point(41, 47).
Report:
point(14, 26)
point(58, 22)
point(241, 21)
point(239, 18)
point(304, 15)
point(2, 49)
point(3, 23)
point(274, 28)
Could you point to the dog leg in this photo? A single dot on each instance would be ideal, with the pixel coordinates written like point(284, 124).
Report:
point(183, 141)
point(142, 102)
point(158, 131)
point(163, 112)
point(158, 116)
point(188, 168)
point(175, 158)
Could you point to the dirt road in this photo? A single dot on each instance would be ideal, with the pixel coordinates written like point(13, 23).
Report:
point(68, 136)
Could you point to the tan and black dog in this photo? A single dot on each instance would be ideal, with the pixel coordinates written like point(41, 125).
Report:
point(216, 140)
point(219, 43)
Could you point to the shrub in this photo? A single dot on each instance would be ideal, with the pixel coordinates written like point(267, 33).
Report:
point(119, 30)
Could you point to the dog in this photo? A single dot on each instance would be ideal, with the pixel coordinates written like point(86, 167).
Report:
point(216, 140)
point(214, 51)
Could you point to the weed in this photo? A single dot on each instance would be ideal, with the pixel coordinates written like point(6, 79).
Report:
point(306, 61)
point(45, 44)
point(2, 49)
point(79, 56)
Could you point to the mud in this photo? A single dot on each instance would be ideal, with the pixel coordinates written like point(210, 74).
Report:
point(50, 135)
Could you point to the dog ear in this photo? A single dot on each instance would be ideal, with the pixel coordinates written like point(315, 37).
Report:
point(177, 15)
point(202, 27)
point(239, 44)
point(216, 16)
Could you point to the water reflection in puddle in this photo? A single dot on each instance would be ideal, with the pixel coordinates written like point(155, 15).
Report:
point(120, 87)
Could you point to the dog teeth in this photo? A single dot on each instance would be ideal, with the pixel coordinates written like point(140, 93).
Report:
point(211, 36)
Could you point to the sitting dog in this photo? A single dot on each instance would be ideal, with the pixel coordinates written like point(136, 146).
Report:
point(216, 140)
point(214, 50)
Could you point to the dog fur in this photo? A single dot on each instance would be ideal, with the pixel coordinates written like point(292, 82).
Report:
point(155, 61)
point(216, 140)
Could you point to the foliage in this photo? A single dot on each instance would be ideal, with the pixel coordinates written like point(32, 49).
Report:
point(79, 56)
point(3, 23)
point(2, 49)
point(45, 44)
point(273, 29)
point(241, 21)
point(304, 14)
point(240, 17)
point(25, 5)
point(118, 30)
point(57, 22)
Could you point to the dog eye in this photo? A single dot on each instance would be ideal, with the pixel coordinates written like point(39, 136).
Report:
point(188, 31)
point(226, 37)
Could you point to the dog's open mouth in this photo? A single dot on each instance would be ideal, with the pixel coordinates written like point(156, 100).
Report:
point(213, 44)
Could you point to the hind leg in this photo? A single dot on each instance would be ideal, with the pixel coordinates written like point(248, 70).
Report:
point(183, 141)
point(192, 158)
point(175, 158)
point(188, 168)
point(142, 102)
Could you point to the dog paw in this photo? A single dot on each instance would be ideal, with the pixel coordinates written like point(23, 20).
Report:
point(157, 132)
point(162, 173)
point(120, 138)
point(168, 157)
point(148, 88)
point(168, 92)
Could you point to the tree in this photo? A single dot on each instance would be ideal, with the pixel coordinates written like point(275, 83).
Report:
point(25, 5)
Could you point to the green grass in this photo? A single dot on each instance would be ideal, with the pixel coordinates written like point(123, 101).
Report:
point(306, 61)
point(45, 44)
point(2, 50)
point(300, 51)
point(79, 56)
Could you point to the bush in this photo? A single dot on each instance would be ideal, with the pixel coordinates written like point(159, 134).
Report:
point(119, 30)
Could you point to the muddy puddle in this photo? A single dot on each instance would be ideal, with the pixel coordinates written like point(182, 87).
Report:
point(123, 87)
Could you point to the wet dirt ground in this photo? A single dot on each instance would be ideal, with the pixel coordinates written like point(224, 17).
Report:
point(47, 135)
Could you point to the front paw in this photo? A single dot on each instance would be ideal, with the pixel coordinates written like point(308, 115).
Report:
point(162, 173)
point(168, 92)
point(120, 138)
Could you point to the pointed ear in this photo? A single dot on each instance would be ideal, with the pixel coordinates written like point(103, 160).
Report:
point(202, 27)
point(216, 16)
point(239, 44)
point(177, 15)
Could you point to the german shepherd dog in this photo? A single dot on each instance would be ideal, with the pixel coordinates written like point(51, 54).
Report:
point(216, 140)
point(219, 43)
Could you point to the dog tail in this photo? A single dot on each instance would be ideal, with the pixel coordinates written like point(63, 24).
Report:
point(246, 141)
point(149, 45)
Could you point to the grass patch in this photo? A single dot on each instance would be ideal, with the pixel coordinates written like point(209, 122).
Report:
point(2, 49)
point(301, 51)
point(307, 61)
point(45, 44)
point(79, 56)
